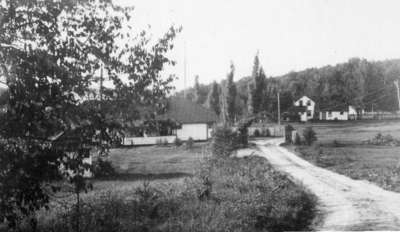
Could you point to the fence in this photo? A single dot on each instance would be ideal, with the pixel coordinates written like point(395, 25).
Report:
point(379, 115)
point(137, 141)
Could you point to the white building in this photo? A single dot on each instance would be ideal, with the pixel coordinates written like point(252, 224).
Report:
point(338, 113)
point(308, 108)
point(195, 121)
point(190, 121)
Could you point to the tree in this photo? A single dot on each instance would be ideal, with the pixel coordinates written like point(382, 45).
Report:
point(197, 94)
point(231, 95)
point(50, 54)
point(250, 109)
point(213, 98)
point(259, 91)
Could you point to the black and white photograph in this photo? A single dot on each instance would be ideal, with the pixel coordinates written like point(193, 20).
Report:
point(199, 115)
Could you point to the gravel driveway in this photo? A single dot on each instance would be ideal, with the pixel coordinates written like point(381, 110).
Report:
point(346, 204)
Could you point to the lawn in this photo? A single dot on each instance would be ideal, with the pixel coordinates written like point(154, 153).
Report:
point(351, 131)
point(341, 148)
point(157, 160)
point(160, 165)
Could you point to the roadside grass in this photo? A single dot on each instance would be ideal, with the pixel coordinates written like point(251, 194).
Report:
point(341, 148)
point(231, 194)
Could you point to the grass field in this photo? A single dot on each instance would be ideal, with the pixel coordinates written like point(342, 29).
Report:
point(221, 194)
point(351, 131)
point(160, 165)
point(340, 148)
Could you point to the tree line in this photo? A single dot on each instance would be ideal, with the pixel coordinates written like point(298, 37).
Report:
point(366, 85)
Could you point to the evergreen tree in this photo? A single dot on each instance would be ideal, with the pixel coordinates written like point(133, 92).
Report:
point(258, 92)
point(231, 95)
point(213, 101)
point(197, 94)
point(250, 109)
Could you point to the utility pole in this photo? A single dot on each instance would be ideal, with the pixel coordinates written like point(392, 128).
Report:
point(101, 83)
point(279, 110)
point(184, 70)
point(396, 83)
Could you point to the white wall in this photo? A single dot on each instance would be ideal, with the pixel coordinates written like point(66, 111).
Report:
point(335, 115)
point(147, 140)
point(311, 107)
point(198, 131)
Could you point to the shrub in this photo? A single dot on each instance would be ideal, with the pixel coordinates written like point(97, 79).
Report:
point(256, 133)
point(383, 140)
point(103, 168)
point(178, 142)
point(165, 142)
point(223, 141)
point(266, 132)
point(242, 135)
point(297, 139)
point(288, 133)
point(189, 143)
point(309, 135)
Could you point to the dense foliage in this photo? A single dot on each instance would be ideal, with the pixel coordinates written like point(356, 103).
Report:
point(51, 54)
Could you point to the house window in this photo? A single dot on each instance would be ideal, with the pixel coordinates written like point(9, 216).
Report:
point(308, 113)
point(309, 103)
point(341, 112)
point(301, 102)
point(330, 114)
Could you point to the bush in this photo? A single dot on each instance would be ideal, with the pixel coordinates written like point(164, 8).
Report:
point(189, 143)
point(288, 133)
point(256, 133)
point(224, 141)
point(165, 142)
point(178, 142)
point(242, 135)
point(309, 135)
point(266, 132)
point(297, 139)
point(103, 168)
point(383, 140)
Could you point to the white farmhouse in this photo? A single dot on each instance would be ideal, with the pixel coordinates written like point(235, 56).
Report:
point(308, 108)
point(338, 113)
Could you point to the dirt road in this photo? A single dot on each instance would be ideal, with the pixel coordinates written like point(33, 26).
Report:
point(346, 204)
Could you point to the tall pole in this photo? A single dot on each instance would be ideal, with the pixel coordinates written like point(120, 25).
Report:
point(396, 83)
point(279, 110)
point(101, 83)
point(184, 69)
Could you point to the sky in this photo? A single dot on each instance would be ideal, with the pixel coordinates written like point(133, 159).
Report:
point(289, 35)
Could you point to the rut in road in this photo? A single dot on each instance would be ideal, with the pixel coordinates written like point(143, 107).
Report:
point(346, 204)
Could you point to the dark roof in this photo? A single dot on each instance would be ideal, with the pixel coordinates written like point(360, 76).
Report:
point(340, 108)
point(184, 111)
point(297, 109)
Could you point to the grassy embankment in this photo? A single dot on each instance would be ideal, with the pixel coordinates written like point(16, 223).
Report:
point(341, 148)
point(230, 194)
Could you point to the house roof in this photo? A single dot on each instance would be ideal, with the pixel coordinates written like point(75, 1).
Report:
point(184, 111)
point(340, 108)
point(305, 97)
point(297, 109)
